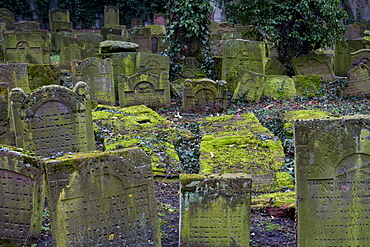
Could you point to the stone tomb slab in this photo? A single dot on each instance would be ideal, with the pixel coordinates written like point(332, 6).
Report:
point(215, 211)
point(144, 89)
point(56, 119)
point(314, 64)
point(332, 158)
point(103, 199)
point(22, 196)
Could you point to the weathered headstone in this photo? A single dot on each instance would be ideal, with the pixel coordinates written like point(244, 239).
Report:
point(314, 64)
point(92, 43)
point(250, 86)
point(15, 75)
point(71, 50)
point(148, 89)
point(359, 81)
point(5, 136)
point(7, 17)
point(111, 16)
point(352, 32)
point(152, 63)
point(192, 69)
point(98, 74)
point(309, 85)
point(119, 31)
point(104, 199)
point(59, 20)
point(215, 211)
point(136, 22)
point(204, 95)
point(25, 26)
point(43, 75)
point(22, 196)
point(53, 119)
point(221, 31)
point(32, 47)
point(241, 54)
point(142, 37)
point(274, 67)
point(160, 19)
point(279, 87)
point(332, 158)
point(342, 55)
point(359, 57)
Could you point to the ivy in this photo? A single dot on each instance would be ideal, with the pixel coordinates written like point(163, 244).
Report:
point(188, 27)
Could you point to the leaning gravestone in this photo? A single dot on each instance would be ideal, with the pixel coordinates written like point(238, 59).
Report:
point(343, 49)
point(332, 181)
point(53, 119)
point(359, 81)
point(314, 64)
point(103, 199)
point(250, 86)
point(144, 89)
point(22, 196)
point(215, 211)
point(98, 74)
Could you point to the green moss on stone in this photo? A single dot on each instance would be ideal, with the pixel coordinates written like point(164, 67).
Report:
point(186, 179)
point(290, 116)
point(308, 85)
point(277, 199)
point(284, 180)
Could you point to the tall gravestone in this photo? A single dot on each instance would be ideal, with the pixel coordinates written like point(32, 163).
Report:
point(215, 211)
point(59, 20)
point(98, 74)
point(342, 61)
point(71, 50)
point(5, 119)
point(103, 199)
point(111, 16)
point(332, 158)
point(53, 119)
point(148, 89)
point(314, 64)
point(22, 197)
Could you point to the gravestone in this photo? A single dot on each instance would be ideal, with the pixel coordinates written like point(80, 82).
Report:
point(274, 67)
point(59, 20)
point(215, 211)
point(25, 26)
point(142, 37)
point(342, 55)
point(250, 86)
point(332, 158)
point(53, 119)
point(160, 19)
point(5, 136)
point(152, 63)
point(221, 31)
point(71, 50)
point(309, 85)
point(92, 42)
point(157, 34)
point(359, 81)
point(241, 54)
point(119, 31)
point(279, 87)
point(7, 17)
point(144, 89)
point(204, 95)
point(22, 197)
point(31, 47)
point(192, 69)
point(359, 57)
point(352, 32)
point(136, 22)
point(15, 75)
point(98, 74)
point(43, 75)
point(314, 64)
point(111, 16)
point(103, 199)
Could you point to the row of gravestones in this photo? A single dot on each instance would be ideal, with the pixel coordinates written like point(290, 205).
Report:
point(108, 198)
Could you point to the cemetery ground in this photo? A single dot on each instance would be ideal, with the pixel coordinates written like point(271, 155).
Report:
point(271, 225)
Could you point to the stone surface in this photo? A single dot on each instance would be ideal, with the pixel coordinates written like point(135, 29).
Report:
point(359, 81)
point(5, 116)
point(332, 158)
point(53, 119)
point(148, 89)
point(314, 64)
point(359, 57)
point(43, 75)
point(15, 75)
point(22, 196)
point(25, 26)
point(279, 87)
point(142, 37)
point(111, 46)
point(160, 19)
point(104, 199)
point(215, 211)
point(204, 95)
point(152, 63)
point(7, 17)
point(98, 74)
point(111, 16)
point(250, 86)
point(239, 143)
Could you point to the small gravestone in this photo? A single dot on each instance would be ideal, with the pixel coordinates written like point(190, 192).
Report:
point(241, 54)
point(359, 81)
point(98, 74)
point(71, 50)
point(314, 64)
point(250, 86)
point(152, 63)
point(144, 89)
point(22, 197)
point(53, 119)
point(59, 20)
point(279, 87)
point(15, 75)
point(160, 19)
point(31, 47)
point(103, 199)
point(111, 16)
point(332, 158)
point(43, 75)
point(215, 211)
point(359, 57)
point(142, 37)
point(7, 17)
point(220, 31)
point(25, 26)
point(204, 95)
point(352, 32)
point(274, 67)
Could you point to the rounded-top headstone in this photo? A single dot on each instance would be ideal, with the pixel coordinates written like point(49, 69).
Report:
point(112, 46)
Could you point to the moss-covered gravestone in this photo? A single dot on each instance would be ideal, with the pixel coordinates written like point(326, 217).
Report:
point(59, 20)
point(215, 211)
point(342, 55)
point(250, 86)
point(142, 37)
point(239, 143)
point(332, 181)
point(314, 64)
point(144, 89)
point(274, 67)
point(204, 95)
point(53, 119)
point(359, 57)
point(15, 75)
point(22, 196)
point(71, 50)
point(279, 87)
point(6, 137)
point(152, 63)
point(43, 75)
point(309, 85)
point(103, 199)
point(98, 74)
